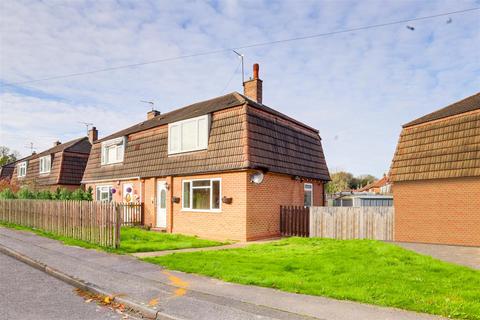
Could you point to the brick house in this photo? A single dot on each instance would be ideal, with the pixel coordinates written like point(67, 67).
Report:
point(380, 186)
point(436, 176)
point(61, 166)
point(219, 168)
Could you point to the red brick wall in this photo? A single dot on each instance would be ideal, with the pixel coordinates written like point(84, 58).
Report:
point(264, 201)
point(438, 211)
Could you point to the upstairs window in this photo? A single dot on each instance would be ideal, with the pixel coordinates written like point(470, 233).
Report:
point(22, 169)
point(201, 195)
point(113, 151)
point(104, 193)
point(188, 135)
point(45, 164)
point(308, 194)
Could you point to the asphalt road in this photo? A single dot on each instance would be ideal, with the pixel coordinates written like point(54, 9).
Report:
point(27, 293)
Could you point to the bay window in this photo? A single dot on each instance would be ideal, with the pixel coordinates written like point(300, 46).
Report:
point(188, 135)
point(113, 150)
point(201, 195)
point(308, 194)
point(45, 164)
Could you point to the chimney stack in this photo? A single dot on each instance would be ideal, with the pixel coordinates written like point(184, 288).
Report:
point(152, 114)
point(56, 143)
point(92, 135)
point(253, 87)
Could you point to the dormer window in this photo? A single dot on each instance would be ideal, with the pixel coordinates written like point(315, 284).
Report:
point(22, 169)
point(113, 150)
point(45, 164)
point(188, 135)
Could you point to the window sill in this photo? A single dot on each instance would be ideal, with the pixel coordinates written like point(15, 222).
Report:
point(110, 164)
point(187, 152)
point(202, 210)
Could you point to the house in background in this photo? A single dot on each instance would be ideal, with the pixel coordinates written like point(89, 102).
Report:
point(380, 186)
point(61, 166)
point(360, 199)
point(219, 168)
point(436, 176)
point(6, 171)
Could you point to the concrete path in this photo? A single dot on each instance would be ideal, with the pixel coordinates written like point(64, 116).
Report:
point(227, 246)
point(177, 295)
point(467, 256)
point(27, 293)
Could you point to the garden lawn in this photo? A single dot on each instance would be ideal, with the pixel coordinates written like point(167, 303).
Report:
point(132, 240)
point(360, 270)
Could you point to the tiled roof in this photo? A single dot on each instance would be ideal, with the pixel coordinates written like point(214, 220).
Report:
point(61, 162)
point(375, 184)
point(468, 104)
point(243, 135)
point(6, 171)
point(445, 148)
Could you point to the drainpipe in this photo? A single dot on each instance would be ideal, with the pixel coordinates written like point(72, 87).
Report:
point(170, 204)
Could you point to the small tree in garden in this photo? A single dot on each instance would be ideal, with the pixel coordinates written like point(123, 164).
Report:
point(24, 193)
point(43, 195)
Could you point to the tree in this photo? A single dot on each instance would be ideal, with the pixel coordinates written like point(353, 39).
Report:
point(340, 182)
point(361, 181)
point(7, 155)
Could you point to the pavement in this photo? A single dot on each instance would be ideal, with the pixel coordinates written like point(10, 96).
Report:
point(27, 293)
point(156, 292)
point(467, 256)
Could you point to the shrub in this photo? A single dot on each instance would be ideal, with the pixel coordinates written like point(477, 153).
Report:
point(24, 193)
point(43, 194)
point(7, 193)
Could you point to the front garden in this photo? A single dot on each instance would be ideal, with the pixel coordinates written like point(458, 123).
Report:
point(359, 270)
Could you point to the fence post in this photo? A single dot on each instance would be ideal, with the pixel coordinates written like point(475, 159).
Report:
point(118, 225)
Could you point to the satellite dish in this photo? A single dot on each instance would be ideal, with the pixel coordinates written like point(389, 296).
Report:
point(257, 177)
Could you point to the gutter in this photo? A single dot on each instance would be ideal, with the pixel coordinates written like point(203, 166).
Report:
point(108, 180)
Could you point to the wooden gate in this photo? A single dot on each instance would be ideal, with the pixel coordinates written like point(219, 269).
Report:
point(294, 221)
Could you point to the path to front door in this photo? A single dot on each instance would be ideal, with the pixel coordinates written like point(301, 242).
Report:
point(161, 221)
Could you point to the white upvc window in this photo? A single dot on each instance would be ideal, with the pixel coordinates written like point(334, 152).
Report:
point(104, 193)
point(22, 169)
point(308, 194)
point(202, 195)
point(113, 150)
point(45, 164)
point(188, 135)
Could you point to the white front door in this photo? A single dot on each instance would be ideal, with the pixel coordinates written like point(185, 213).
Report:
point(161, 204)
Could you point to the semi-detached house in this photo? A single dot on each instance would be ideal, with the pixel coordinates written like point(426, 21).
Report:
point(219, 168)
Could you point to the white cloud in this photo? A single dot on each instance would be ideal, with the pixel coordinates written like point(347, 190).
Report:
point(356, 88)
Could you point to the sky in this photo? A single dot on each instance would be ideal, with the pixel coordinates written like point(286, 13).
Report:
point(357, 88)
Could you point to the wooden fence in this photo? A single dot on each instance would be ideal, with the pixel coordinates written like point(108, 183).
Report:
point(91, 221)
point(294, 221)
point(132, 214)
point(352, 222)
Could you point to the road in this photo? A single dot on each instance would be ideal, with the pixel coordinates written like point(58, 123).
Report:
point(27, 293)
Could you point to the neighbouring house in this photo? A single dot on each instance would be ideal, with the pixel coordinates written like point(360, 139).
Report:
point(360, 199)
point(219, 168)
point(380, 186)
point(436, 176)
point(61, 166)
point(6, 171)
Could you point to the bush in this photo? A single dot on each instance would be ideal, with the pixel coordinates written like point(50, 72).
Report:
point(24, 193)
point(43, 195)
point(7, 193)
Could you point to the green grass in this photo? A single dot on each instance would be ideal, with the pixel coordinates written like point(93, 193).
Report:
point(360, 270)
point(131, 240)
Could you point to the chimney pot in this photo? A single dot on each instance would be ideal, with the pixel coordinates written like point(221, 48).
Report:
point(152, 114)
point(253, 88)
point(93, 135)
point(56, 143)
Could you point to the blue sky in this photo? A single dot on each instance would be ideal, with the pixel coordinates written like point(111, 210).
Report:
point(357, 88)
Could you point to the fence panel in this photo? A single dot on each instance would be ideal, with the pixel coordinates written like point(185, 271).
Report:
point(352, 222)
point(294, 221)
point(94, 222)
point(132, 214)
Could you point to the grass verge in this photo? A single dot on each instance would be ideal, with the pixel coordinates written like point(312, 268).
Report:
point(360, 270)
point(131, 240)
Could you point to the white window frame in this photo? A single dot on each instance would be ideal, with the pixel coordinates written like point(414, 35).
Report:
point(179, 124)
point(310, 189)
point(190, 208)
point(110, 194)
point(22, 166)
point(122, 141)
point(42, 164)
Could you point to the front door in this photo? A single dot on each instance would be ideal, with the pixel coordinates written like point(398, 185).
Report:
point(161, 204)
